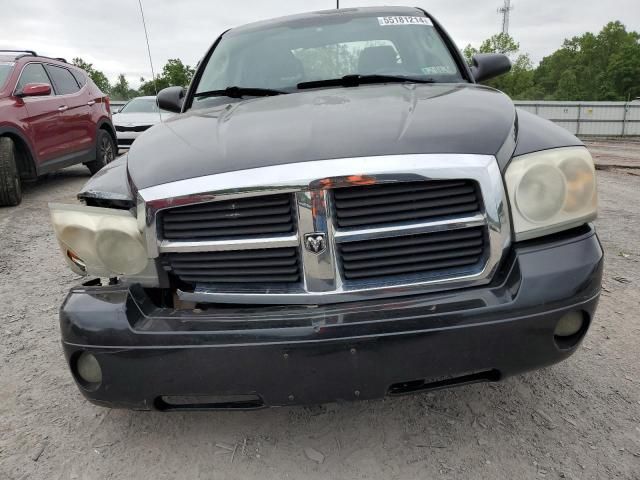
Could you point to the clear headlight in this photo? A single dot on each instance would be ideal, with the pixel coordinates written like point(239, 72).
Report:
point(550, 191)
point(99, 241)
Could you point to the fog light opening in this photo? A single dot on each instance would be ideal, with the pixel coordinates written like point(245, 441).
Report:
point(570, 329)
point(87, 370)
point(209, 402)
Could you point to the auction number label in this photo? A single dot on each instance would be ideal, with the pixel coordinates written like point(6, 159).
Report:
point(404, 20)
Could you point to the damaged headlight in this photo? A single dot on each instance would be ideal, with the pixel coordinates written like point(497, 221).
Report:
point(99, 241)
point(550, 191)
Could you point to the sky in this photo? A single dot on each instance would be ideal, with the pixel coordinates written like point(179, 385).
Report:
point(109, 33)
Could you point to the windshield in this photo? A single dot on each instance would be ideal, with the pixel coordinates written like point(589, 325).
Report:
point(282, 56)
point(141, 105)
point(5, 70)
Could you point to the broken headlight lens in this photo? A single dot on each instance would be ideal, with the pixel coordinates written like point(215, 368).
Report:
point(550, 191)
point(99, 241)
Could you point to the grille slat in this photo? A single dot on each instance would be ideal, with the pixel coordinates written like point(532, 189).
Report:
point(393, 188)
point(258, 262)
point(240, 279)
point(417, 249)
point(245, 217)
point(395, 217)
point(415, 268)
point(136, 128)
point(245, 255)
point(385, 199)
point(237, 204)
point(233, 272)
point(415, 205)
point(272, 265)
point(235, 222)
point(409, 240)
point(372, 205)
point(230, 232)
point(226, 215)
point(399, 259)
point(412, 254)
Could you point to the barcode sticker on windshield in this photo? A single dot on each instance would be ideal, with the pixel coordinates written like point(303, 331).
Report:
point(404, 20)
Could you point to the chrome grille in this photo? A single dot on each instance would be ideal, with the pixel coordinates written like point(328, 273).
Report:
point(241, 217)
point(389, 226)
point(413, 254)
point(263, 266)
point(396, 202)
point(133, 128)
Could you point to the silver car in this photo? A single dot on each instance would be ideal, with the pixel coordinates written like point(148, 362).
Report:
point(136, 116)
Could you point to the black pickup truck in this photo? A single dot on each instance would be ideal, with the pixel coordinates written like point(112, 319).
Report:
point(339, 211)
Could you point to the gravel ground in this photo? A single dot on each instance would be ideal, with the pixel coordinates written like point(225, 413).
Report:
point(579, 419)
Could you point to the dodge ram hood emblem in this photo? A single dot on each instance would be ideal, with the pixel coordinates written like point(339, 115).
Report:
point(315, 242)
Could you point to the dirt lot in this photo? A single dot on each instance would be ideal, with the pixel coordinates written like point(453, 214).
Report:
point(579, 419)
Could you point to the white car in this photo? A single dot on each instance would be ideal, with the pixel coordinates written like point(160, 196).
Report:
point(136, 116)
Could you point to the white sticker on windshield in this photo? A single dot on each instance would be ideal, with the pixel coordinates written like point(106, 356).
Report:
point(404, 20)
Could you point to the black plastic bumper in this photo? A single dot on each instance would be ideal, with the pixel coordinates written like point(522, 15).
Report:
point(291, 355)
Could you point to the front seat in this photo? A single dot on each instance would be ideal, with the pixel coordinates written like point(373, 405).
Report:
point(377, 59)
point(277, 69)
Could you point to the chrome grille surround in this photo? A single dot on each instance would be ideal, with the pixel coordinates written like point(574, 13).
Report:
point(322, 280)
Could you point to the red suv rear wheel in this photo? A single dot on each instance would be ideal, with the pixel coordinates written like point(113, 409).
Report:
point(105, 152)
point(10, 188)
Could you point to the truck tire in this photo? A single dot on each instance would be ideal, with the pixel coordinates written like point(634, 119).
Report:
point(105, 152)
point(10, 188)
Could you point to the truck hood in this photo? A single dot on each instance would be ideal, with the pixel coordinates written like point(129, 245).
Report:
point(371, 120)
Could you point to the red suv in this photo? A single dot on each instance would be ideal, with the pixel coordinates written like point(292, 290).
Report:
point(51, 116)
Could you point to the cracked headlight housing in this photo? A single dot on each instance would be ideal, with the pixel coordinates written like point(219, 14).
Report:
point(550, 191)
point(99, 241)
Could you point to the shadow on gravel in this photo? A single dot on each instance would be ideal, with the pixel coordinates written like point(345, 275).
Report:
point(56, 179)
point(51, 186)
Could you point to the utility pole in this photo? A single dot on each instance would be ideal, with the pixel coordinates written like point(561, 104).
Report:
point(338, 4)
point(505, 11)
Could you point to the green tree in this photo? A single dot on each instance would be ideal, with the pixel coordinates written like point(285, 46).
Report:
point(624, 71)
point(606, 66)
point(177, 73)
point(568, 88)
point(518, 83)
point(602, 66)
point(99, 78)
point(500, 43)
point(121, 90)
point(174, 73)
point(468, 52)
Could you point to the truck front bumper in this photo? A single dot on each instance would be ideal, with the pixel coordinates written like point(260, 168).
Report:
point(250, 356)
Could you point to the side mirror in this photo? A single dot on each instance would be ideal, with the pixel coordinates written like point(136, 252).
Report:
point(35, 90)
point(171, 99)
point(489, 65)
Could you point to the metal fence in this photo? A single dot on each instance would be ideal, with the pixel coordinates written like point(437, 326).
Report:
point(590, 118)
point(606, 119)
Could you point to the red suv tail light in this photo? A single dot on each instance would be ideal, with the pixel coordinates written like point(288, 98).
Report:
point(107, 104)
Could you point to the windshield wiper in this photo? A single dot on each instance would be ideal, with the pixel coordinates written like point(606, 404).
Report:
point(239, 92)
point(355, 80)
